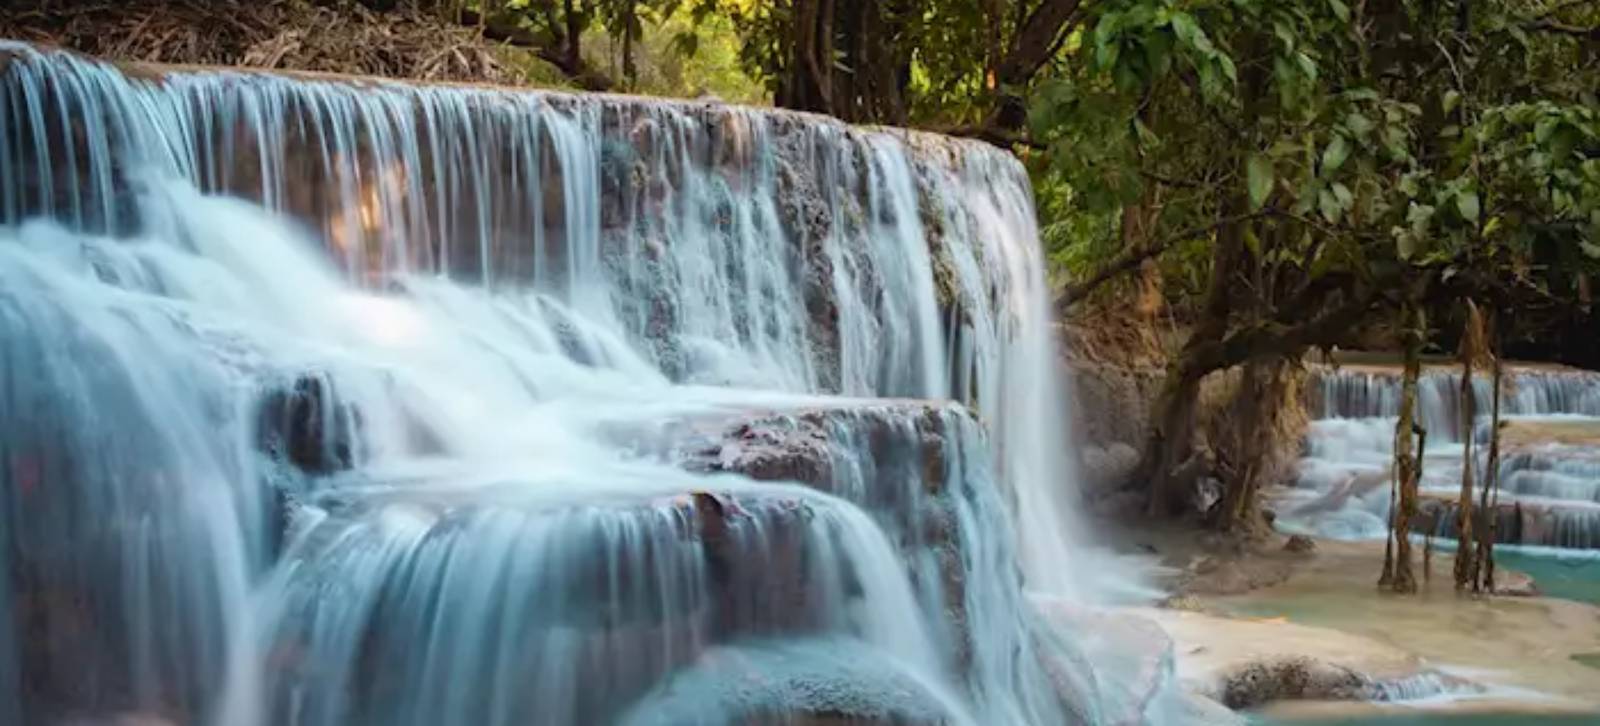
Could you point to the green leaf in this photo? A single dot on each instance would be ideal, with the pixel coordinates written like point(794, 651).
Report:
point(1417, 215)
point(1328, 205)
point(1185, 28)
point(1147, 138)
point(1358, 124)
point(1452, 98)
point(1285, 35)
point(1307, 66)
point(1467, 204)
point(1258, 173)
point(1518, 34)
point(1592, 250)
point(1334, 155)
point(1340, 10)
point(1228, 68)
point(1405, 243)
point(1342, 193)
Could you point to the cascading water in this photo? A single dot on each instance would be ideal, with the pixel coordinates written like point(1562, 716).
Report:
point(332, 402)
point(1550, 487)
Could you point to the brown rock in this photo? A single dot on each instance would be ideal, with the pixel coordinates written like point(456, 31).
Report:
point(1300, 544)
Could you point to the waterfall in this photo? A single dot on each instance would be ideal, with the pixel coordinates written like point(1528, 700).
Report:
point(1549, 477)
point(337, 401)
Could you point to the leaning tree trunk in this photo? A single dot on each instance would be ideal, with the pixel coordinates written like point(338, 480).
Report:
point(1400, 577)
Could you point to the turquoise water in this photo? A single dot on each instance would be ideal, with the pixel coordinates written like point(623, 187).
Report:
point(1574, 576)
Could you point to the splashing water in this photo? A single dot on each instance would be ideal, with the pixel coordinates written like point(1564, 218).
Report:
point(334, 402)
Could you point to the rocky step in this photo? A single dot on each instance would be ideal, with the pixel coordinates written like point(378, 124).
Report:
point(824, 682)
point(1524, 520)
point(621, 590)
point(1365, 390)
point(910, 464)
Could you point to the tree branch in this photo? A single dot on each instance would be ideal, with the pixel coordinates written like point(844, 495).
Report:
point(1559, 28)
point(503, 30)
point(1276, 339)
point(1136, 256)
point(1036, 40)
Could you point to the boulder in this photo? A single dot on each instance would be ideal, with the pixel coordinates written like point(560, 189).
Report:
point(1300, 544)
point(1249, 663)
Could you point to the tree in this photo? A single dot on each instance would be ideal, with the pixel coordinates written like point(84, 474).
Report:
point(959, 65)
point(1329, 165)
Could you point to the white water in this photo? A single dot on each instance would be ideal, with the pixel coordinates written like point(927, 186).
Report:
point(464, 294)
point(1550, 492)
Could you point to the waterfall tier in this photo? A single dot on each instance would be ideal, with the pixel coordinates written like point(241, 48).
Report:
point(335, 401)
point(1549, 478)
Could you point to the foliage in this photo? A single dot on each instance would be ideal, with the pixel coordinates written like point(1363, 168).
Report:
point(1330, 164)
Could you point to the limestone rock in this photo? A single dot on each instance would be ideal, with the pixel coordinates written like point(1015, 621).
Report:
point(1290, 678)
point(1300, 544)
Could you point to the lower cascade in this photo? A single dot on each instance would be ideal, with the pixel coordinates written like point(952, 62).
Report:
point(1549, 473)
point(330, 401)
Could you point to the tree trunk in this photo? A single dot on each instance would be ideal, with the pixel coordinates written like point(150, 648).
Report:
point(1490, 498)
point(1465, 572)
point(1171, 440)
point(630, 24)
point(1244, 452)
point(574, 47)
point(994, 17)
point(807, 84)
point(1036, 40)
point(1407, 469)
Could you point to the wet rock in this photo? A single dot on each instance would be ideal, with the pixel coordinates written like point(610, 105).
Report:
point(1207, 492)
point(1300, 544)
point(1110, 467)
point(1184, 602)
point(1291, 678)
point(834, 719)
point(814, 683)
point(1245, 663)
point(304, 424)
point(1566, 524)
point(1132, 658)
point(893, 458)
point(883, 455)
point(1511, 583)
point(121, 719)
